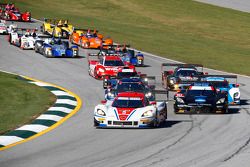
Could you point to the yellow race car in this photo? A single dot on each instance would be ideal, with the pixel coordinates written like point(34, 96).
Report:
point(57, 28)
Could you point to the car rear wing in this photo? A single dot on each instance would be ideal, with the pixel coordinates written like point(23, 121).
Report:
point(93, 57)
point(85, 29)
point(24, 29)
point(54, 21)
point(213, 77)
point(113, 46)
point(175, 65)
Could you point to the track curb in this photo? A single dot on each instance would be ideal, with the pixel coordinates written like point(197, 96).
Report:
point(66, 105)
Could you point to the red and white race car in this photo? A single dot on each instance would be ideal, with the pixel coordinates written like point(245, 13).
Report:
point(10, 12)
point(107, 65)
point(130, 110)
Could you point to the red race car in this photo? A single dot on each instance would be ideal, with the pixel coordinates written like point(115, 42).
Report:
point(107, 65)
point(10, 12)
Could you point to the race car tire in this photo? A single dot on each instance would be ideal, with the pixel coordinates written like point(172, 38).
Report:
point(96, 123)
point(95, 74)
point(46, 55)
point(36, 49)
point(10, 38)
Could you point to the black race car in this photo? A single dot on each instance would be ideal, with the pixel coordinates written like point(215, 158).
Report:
point(201, 97)
point(181, 75)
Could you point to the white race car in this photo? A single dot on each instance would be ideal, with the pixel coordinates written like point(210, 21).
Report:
point(22, 38)
point(3, 27)
point(130, 110)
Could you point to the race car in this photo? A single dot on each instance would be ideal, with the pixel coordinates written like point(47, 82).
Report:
point(10, 12)
point(51, 47)
point(130, 110)
point(89, 39)
point(130, 85)
point(110, 81)
point(173, 79)
point(57, 28)
point(23, 37)
point(222, 83)
point(108, 65)
point(127, 54)
point(201, 97)
point(3, 27)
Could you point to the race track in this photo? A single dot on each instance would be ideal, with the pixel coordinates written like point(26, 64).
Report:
point(186, 140)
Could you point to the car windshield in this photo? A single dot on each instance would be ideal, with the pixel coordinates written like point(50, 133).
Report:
point(136, 87)
point(126, 74)
point(186, 73)
point(200, 93)
point(113, 63)
point(128, 103)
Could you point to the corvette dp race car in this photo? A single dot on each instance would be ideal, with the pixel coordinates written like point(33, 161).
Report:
point(201, 97)
point(222, 83)
point(130, 110)
point(130, 85)
point(57, 28)
point(173, 79)
point(51, 47)
point(106, 65)
point(23, 37)
point(111, 81)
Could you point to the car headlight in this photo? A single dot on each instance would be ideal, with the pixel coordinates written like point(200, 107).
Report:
point(149, 94)
point(146, 79)
point(171, 81)
point(221, 100)
point(179, 100)
point(148, 113)
point(110, 94)
point(101, 112)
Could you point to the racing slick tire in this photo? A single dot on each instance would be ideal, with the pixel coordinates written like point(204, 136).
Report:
point(96, 123)
point(46, 55)
point(36, 49)
point(10, 39)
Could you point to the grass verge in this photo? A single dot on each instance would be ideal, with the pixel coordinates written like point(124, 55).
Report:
point(21, 102)
point(183, 30)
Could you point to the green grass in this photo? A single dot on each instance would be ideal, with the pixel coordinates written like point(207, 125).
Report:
point(183, 30)
point(21, 102)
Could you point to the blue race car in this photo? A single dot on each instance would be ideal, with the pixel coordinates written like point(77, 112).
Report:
point(51, 47)
point(127, 54)
point(135, 59)
point(221, 82)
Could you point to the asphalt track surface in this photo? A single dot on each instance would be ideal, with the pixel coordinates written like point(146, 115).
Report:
point(185, 140)
point(242, 5)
